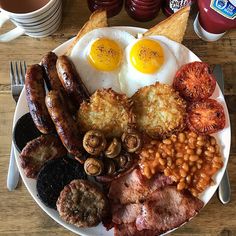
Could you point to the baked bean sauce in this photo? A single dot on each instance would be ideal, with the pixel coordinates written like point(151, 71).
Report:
point(189, 159)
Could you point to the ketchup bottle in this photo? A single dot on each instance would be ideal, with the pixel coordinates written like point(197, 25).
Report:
point(143, 10)
point(215, 17)
point(171, 6)
point(113, 7)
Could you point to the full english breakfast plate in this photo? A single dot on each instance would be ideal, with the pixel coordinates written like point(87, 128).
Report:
point(178, 54)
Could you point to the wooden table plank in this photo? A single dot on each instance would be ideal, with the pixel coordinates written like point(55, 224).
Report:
point(19, 214)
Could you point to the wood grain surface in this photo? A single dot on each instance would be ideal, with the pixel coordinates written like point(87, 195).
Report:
point(19, 214)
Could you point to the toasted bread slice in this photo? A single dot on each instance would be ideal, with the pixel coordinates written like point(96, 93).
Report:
point(173, 27)
point(97, 20)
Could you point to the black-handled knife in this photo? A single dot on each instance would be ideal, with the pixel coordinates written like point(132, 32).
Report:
point(224, 191)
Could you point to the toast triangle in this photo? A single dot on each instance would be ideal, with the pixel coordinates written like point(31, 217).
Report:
point(173, 27)
point(98, 19)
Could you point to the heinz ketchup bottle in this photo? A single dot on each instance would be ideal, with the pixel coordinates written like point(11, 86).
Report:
point(113, 7)
point(215, 17)
point(143, 10)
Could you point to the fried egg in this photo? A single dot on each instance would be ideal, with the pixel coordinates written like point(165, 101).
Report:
point(98, 57)
point(147, 60)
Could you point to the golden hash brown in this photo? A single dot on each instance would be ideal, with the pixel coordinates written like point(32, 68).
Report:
point(159, 110)
point(107, 111)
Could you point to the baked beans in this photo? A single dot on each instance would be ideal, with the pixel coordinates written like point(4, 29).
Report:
point(189, 159)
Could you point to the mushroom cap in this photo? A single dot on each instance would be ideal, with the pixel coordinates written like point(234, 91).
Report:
point(94, 142)
point(113, 149)
point(93, 166)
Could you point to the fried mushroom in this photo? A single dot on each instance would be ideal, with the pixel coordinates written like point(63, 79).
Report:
point(113, 148)
point(107, 111)
point(93, 166)
point(159, 110)
point(132, 140)
point(124, 161)
point(94, 142)
point(109, 167)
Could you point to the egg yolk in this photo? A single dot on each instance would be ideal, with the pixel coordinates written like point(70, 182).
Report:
point(147, 56)
point(105, 54)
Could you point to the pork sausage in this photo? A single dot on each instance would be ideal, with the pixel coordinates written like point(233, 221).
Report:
point(82, 203)
point(65, 124)
point(49, 64)
point(35, 95)
point(52, 80)
point(70, 80)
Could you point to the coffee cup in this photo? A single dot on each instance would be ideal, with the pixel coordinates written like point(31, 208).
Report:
point(37, 19)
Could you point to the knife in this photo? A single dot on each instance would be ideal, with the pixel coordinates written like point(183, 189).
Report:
point(224, 190)
point(13, 172)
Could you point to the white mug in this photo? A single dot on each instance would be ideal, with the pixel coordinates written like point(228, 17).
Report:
point(38, 23)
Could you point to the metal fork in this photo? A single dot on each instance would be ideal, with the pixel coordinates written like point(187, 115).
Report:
point(17, 76)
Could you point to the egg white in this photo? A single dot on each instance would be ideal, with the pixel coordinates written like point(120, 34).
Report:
point(131, 79)
point(93, 78)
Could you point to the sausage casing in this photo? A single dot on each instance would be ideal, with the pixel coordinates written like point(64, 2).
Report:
point(49, 64)
point(35, 95)
point(65, 124)
point(71, 80)
point(52, 80)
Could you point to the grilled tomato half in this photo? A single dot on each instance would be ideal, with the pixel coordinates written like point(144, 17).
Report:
point(205, 116)
point(195, 81)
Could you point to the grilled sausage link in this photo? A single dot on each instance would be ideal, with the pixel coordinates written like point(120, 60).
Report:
point(71, 81)
point(52, 80)
point(35, 95)
point(65, 124)
point(49, 64)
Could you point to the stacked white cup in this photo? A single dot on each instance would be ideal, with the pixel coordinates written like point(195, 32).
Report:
point(39, 23)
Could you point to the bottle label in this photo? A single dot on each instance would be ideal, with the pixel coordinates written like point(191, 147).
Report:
point(225, 8)
point(176, 5)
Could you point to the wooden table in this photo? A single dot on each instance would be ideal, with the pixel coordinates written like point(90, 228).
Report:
point(19, 214)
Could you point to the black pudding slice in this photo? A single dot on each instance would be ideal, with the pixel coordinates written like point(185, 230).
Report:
point(54, 176)
point(24, 131)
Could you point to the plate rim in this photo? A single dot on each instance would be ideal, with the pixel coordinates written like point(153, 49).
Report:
point(62, 49)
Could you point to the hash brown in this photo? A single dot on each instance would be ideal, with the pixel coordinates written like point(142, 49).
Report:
point(107, 111)
point(159, 110)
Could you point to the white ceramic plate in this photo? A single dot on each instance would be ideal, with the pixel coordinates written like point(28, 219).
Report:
point(184, 55)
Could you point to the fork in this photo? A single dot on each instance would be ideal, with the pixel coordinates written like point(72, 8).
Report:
point(17, 76)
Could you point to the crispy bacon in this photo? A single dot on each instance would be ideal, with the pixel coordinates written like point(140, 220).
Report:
point(143, 207)
point(124, 214)
point(160, 212)
point(169, 207)
point(134, 187)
